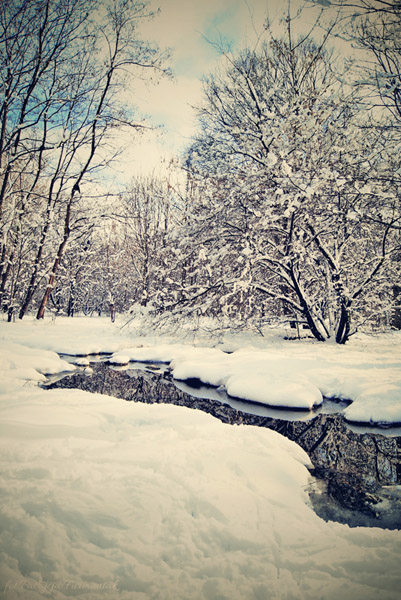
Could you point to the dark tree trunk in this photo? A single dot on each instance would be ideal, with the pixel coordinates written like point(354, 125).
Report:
point(5, 275)
point(396, 316)
point(344, 325)
point(70, 309)
point(305, 308)
point(32, 282)
point(112, 313)
point(56, 264)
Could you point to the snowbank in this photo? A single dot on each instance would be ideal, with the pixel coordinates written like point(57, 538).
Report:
point(296, 374)
point(291, 374)
point(27, 365)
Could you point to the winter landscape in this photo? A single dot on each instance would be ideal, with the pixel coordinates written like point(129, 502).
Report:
point(200, 331)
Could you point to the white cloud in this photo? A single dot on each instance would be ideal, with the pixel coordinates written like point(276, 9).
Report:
point(184, 25)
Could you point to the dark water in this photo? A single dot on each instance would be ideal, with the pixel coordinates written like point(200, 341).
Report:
point(356, 473)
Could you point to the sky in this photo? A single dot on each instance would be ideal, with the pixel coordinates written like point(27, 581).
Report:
point(189, 28)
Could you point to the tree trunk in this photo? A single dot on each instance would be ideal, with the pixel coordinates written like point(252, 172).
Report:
point(70, 309)
point(396, 316)
point(5, 276)
point(56, 264)
point(112, 313)
point(32, 282)
point(305, 308)
point(344, 325)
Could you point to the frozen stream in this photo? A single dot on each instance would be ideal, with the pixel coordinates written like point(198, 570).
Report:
point(357, 472)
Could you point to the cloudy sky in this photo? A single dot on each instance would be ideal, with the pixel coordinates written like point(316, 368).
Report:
point(188, 27)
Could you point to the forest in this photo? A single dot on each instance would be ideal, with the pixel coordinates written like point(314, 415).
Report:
point(284, 207)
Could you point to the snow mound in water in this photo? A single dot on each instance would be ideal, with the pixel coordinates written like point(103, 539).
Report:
point(274, 392)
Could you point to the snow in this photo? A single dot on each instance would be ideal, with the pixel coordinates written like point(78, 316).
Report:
point(281, 393)
point(379, 404)
point(270, 371)
point(296, 374)
point(27, 364)
point(252, 375)
point(106, 498)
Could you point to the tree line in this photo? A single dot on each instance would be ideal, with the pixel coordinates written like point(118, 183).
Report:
point(289, 206)
point(63, 66)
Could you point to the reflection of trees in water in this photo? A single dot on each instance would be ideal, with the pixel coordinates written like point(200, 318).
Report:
point(332, 446)
point(352, 466)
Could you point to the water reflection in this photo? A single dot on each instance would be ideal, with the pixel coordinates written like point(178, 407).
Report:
point(357, 473)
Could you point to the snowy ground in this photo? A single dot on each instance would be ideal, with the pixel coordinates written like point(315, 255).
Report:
point(107, 499)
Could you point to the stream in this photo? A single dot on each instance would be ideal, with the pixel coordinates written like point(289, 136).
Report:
point(356, 477)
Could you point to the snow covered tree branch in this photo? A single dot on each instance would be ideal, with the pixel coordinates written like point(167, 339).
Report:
point(293, 197)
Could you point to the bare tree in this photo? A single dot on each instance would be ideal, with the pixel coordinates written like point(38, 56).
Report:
point(63, 66)
point(149, 212)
